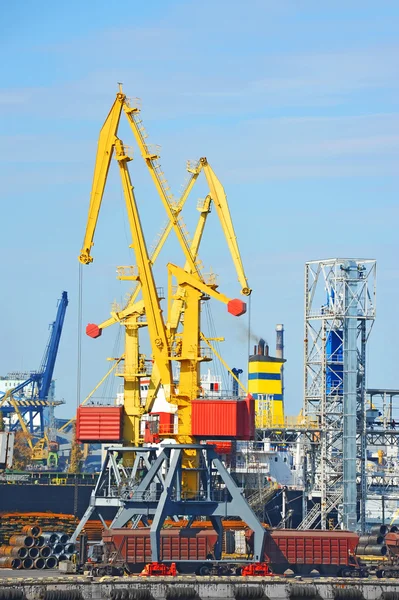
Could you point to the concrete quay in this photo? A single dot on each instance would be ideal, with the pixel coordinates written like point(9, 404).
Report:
point(73, 587)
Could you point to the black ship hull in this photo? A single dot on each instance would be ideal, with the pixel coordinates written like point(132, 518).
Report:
point(65, 499)
point(73, 498)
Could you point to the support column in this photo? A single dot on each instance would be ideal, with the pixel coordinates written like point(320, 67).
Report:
point(350, 396)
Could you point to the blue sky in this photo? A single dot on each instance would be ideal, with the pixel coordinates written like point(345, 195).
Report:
point(295, 105)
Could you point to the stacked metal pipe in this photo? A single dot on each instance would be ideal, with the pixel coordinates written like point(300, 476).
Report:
point(12, 523)
point(373, 543)
point(34, 549)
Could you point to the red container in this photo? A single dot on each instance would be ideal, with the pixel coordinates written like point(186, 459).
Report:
point(222, 447)
point(99, 424)
point(246, 418)
point(214, 418)
point(133, 546)
point(223, 418)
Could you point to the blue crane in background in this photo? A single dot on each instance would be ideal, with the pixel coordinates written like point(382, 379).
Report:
point(37, 403)
point(45, 374)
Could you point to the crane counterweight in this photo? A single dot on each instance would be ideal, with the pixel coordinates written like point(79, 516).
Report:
point(237, 307)
point(93, 330)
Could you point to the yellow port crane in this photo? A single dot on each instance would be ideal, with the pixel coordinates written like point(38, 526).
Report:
point(186, 470)
point(190, 291)
point(132, 315)
point(162, 352)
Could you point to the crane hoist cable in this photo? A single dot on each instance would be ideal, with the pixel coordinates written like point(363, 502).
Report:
point(79, 340)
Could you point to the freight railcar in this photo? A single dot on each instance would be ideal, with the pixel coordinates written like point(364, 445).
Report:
point(389, 566)
point(132, 547)
point(331, 553)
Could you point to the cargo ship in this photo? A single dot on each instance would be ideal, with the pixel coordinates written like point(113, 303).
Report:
point(46, 492)
point(70, 494)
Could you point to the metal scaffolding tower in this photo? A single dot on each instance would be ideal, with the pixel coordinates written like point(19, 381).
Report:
point(339, 314)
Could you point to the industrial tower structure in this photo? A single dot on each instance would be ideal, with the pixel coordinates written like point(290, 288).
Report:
point(339, 314)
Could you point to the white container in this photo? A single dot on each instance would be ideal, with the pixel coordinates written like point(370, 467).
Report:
point(239, 538)
point(6, 449)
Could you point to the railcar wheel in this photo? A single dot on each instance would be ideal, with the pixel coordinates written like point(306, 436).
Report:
point(380, 573)
point(204, 570)
point(364, 573)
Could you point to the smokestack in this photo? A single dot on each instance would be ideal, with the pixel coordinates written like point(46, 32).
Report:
point(261, 347)
point(279, 341)
point(266, 352)
point(255, 350)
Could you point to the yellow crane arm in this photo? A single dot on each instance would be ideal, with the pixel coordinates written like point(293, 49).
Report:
point(136, 308)
point(103, 160)
point(235, 306)
point(5, 397)
point(156, 326)
point(131, 306)
point(220, 201)
point(176, 309)
point(194, 176)
point(157, 177)
point(8, 396)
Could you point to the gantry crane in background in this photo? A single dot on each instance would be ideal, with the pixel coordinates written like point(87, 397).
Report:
point(187, 473)
point(35, 400)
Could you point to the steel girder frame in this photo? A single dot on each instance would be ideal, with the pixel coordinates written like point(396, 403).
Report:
point(29, 414)
point(152, 489)
point(339, 314)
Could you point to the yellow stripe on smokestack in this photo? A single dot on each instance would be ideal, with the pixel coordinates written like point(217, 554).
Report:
point(265, 384)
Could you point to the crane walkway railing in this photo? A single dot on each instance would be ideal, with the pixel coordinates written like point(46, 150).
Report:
point(262, 496)
point(315, 513)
